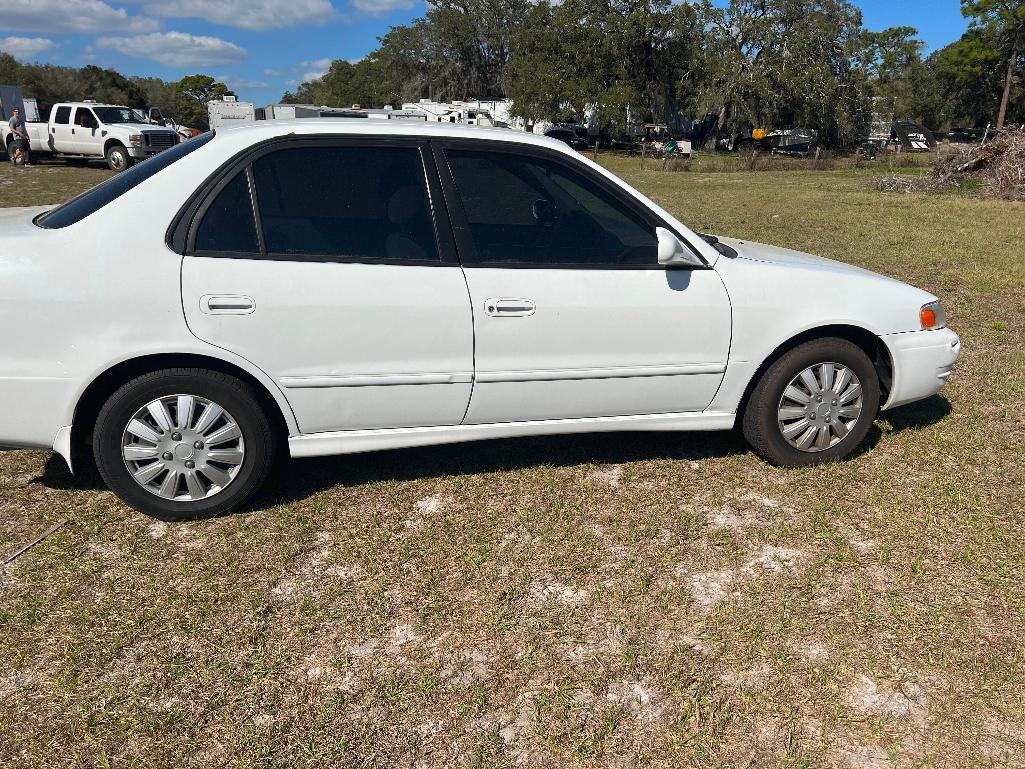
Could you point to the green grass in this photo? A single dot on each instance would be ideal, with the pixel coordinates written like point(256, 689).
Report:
point(617, 600)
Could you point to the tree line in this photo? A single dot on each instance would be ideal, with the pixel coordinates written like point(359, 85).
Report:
point(184, 100)
point(749, 63)
point(745, 64)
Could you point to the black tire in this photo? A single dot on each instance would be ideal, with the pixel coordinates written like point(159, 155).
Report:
point(234, 395)
point(760, 425)
point(118, 158)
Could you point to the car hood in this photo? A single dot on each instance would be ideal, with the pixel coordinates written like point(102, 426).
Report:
point(138, 127)
point(812, 291)
point(762, 252)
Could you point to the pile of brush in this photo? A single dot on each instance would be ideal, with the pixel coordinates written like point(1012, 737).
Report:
point(996, 168)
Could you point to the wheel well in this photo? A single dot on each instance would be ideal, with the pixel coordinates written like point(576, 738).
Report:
point(110, 143)
point(101, 388)
point(871, 344)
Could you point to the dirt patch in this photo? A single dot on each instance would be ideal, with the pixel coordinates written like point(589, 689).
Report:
point(709, 589)
point(611, 475)
point(907, 700)
point(726, 517)
point(559, 593)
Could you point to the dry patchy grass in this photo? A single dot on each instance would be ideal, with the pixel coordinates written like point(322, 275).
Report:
point(617, 600)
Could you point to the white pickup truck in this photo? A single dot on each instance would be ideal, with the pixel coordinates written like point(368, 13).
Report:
point(83, 131)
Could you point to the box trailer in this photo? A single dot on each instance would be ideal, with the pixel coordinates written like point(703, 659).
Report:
point(228, 111)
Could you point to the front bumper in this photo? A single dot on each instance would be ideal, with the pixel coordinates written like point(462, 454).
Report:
point(139, 152)
point(922, 363)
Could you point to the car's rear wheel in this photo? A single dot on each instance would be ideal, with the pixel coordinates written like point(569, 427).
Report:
point(180, 444)
point(813, 405)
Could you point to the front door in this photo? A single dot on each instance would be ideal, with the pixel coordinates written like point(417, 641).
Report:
point(338, 287)
point(83, 131)
point(573, 315)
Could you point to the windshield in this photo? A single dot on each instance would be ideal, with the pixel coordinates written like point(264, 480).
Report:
point(116, 115)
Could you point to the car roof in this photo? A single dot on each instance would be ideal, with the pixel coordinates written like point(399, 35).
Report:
point(262, 130)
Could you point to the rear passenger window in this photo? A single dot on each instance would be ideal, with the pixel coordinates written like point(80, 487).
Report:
point(62, 116)
point(361, 202)
point(228, 224)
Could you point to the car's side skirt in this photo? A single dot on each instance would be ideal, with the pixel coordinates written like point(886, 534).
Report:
point(356, 441)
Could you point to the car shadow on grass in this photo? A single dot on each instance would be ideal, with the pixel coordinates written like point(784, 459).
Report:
point(302, 478)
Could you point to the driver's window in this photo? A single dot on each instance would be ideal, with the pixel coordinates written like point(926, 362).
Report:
point(528, 210)
point(85, 118)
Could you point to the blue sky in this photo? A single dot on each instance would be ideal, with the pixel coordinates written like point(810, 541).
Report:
point(263, 47)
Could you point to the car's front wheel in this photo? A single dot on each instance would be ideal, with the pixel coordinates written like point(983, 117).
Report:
point(180, 444)
point(815, 404)
point(118, 158)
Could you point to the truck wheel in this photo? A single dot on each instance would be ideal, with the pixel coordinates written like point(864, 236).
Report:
point(118, 158)
point(184, 443)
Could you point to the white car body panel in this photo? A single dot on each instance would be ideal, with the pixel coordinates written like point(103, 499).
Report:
point(366, 345)
point(75, 302)
point(597, 343)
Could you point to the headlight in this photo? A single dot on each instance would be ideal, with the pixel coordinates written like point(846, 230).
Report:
point(932, 316)
point(135, 139)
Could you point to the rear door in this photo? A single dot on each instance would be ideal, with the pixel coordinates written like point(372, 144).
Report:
point(339, 286)
point(573, 315)
point(61, 139)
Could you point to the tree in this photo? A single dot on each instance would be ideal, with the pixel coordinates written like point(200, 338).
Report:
point(1005, 21)
point(191, 95)
point(618, 56)
point(785, 63)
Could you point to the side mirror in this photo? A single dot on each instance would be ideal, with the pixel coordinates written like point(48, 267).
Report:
point(671, 252)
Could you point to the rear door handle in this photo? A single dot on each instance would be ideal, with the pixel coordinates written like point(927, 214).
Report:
point(509, 308)
point(226, 304)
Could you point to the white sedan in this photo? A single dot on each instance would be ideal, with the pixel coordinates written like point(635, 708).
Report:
point(336, 286)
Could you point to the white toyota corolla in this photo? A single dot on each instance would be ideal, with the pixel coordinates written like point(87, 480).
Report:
point(328, 287)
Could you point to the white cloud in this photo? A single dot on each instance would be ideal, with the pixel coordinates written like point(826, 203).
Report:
point(245, 14)
point(318, 69)
point(176, 49)
point(379, 7)
point(70, 16)
point(26, 47)
point(240, 83)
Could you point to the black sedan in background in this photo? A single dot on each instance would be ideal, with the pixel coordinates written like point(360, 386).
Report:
point(566, 135)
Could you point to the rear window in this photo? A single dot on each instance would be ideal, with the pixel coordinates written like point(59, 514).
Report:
point(62, 116)
point(76, 209)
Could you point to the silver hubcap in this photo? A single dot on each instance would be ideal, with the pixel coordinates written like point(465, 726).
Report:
point(820, 406)
point(117, 159)
point(183, 448)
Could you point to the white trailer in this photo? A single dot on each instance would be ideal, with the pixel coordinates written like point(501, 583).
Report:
point(228, 111)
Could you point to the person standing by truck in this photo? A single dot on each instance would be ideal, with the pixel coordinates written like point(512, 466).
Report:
point(20, 145)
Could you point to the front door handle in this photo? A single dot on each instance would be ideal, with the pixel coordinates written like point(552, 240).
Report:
point(226, 304)
point(509, 308)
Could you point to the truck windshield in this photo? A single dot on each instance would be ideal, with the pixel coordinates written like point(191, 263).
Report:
point(111, 115)
point(92, 201)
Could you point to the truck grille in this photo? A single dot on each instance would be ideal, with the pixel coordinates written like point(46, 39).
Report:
point(160, 141)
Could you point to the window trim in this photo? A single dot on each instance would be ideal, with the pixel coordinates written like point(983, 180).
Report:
point(461, 229)
point(181, 234)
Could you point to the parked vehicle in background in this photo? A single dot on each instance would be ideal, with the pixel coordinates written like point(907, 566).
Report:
point(83, 131)
point(230, 111)
point(567, 136)
point(338, 286)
